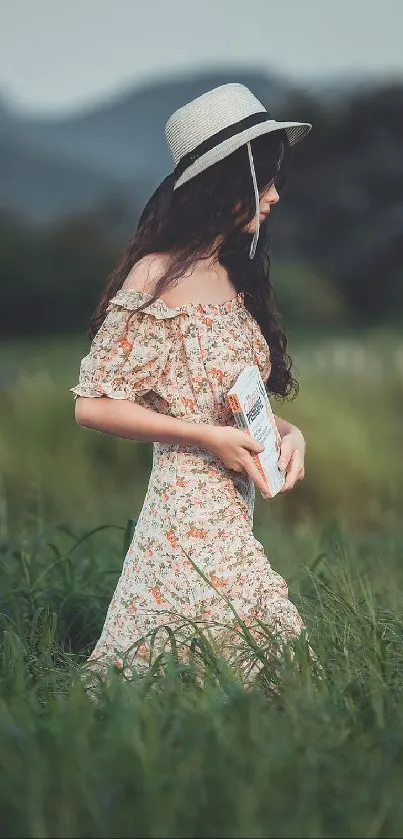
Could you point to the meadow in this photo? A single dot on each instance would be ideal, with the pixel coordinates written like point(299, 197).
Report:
point(313, 749)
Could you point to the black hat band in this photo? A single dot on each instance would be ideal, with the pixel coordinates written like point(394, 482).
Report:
point(215, 139)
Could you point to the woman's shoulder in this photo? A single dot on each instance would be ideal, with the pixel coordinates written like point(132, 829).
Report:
point(139, 287)
point(145, 273)
point(198, 285)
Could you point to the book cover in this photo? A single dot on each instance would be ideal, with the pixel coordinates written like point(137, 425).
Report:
point(252, 412)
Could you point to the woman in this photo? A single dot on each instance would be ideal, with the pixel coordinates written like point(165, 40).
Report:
point(189, 305)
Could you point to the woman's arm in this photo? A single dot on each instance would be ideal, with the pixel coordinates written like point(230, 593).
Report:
point(126, 419)
point(283, 426)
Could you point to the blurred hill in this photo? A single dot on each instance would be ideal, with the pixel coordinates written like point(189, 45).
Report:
point(72, 189)
point(53, 166)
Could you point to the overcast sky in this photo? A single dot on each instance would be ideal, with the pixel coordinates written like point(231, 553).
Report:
point(58, 55)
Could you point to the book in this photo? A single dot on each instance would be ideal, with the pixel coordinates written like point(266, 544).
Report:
point(252, 412)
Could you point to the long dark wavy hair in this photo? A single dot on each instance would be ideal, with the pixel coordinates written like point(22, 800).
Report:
point(202, 210)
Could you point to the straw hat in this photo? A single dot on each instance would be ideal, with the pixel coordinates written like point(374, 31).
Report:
point(211, 127)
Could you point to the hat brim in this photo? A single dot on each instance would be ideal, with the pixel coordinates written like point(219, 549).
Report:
point(296, 131)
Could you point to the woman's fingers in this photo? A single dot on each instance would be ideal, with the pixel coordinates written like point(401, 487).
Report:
point(294, 468)
point(251, 444)
point(290, 460)
point(254, 473)
point(286, 452)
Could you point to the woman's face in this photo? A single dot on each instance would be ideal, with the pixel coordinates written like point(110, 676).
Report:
point(268, 197)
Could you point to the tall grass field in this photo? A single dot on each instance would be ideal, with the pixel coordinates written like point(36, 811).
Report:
point(315, 747)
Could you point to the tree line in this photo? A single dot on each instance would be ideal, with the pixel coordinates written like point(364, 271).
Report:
point(340, 222)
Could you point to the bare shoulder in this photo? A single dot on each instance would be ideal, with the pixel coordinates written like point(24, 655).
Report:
point(199, 284)
point(145, 273)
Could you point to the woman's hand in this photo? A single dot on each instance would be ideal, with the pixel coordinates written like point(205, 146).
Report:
point(292, 456)
point(234, 448)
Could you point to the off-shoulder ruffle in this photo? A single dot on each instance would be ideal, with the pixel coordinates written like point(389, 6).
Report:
point(182, 357)
point(132, 298)
point(127, 355)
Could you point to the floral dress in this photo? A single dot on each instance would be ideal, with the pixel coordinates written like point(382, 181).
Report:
point(193, 563)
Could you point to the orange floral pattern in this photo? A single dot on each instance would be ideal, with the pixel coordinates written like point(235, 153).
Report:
point(193, 550)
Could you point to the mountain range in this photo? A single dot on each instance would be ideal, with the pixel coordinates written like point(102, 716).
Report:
point(54, 166)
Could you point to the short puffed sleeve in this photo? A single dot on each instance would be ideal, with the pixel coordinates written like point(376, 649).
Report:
point(129, 351)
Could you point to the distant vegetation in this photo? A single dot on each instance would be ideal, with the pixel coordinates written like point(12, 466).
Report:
point(337, 248)
point(346, 193)
point(51, 278)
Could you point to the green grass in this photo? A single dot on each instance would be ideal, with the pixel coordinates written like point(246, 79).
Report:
point(305, 752)
point(162, 756)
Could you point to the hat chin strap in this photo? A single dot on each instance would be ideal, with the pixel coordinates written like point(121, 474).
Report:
point(252, 250)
